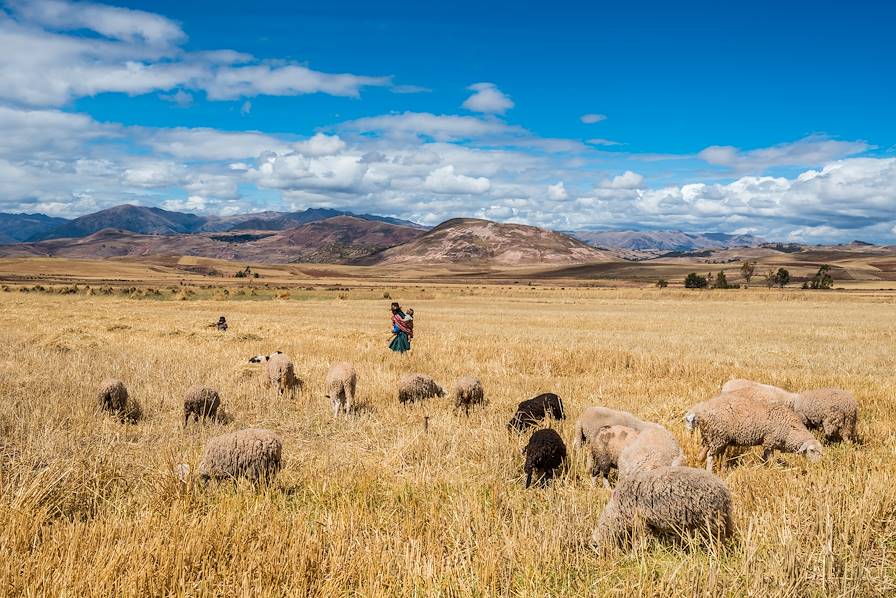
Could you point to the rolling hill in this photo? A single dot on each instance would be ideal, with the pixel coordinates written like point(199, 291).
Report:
point(470, 241)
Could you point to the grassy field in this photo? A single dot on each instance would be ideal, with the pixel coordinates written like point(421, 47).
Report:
point(374, 506)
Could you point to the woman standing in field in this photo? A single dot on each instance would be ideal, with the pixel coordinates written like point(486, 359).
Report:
point(403, 330)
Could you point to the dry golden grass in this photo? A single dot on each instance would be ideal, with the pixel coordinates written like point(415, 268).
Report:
point(371, 505)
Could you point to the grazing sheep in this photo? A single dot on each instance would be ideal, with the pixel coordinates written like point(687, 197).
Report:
point(252, 453)
point(531, 411)
point(606, 446)
point(755, 390)
point(416, 387)
point(468, 391)
point(113, 397)
point(654, 447)
point(593, 419)
point(632, 450)
point(665, 501)
point(282, 374)
point(545, 452)
point(834, 412)
point(731, 420)
point(201, 402)
point(340, 384)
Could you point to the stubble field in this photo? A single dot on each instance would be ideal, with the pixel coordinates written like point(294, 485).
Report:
point(372, 504)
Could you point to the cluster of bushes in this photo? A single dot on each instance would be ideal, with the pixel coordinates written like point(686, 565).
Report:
point(773, 278)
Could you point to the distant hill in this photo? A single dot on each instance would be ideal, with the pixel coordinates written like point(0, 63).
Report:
point(485, 243)
point(156, 221)
point(136, 219)
point(665, 240)
point(15, 228)
point(334, 240)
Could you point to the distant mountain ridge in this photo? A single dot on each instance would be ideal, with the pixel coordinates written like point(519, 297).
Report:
point(665, 240)
point(16, 228)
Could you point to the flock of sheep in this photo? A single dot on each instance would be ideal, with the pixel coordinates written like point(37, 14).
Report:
point(655, 491)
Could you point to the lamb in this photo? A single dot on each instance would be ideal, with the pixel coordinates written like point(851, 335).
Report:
point(834, 412)
point(531, 411)
point(201, 402)
point(113, 397)
point(251, 453)
point(468, 391)
point(544, 453)
point(666, 501)
point(416, 387)
point(341, 382)
point(606, 446)
point(632, 450)
point(731, 420)
point(593, 419)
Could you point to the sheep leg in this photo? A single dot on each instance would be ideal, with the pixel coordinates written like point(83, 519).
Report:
point(349, 399)
point(703, 453)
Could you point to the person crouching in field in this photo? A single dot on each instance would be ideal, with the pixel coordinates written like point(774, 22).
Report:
point(402, 329)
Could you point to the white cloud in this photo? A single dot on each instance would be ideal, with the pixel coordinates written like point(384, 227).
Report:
point(124, 24)
point(320, 145)
point(809, 151)
point(246, 108)
point(438, 127)
point(138, 52)
point(626, 180)
point(487, 99)
point(590, 119)
point(606, 142)
point(444, 180)
point(210, 144)
point(179, 97)
point(557, 192)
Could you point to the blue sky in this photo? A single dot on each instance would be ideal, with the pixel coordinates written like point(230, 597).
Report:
point(770, 118)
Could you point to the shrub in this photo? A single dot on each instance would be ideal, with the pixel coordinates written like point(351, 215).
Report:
point(747, 270)
point(695, 281)
point(661, 283)
point(721, 282)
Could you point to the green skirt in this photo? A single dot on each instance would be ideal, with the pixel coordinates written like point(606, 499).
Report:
point(400, 343)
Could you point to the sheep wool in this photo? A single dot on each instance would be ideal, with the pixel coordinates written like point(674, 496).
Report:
point(545, 452)
point(593, 419)
point(340, 384)
point(468, 392)
point(532, 411)
point(654, 447)
point(113, 397)
point(665, 501)
point(833, 411)
point(282, 374)
point(201, 402)
point(252, 453)
point(731, 420)
point(416, 387)
point(606, 446)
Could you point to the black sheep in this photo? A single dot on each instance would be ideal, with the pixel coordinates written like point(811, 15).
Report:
point(544, 453)
point(530, 412)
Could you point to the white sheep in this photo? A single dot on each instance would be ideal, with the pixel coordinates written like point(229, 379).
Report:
point(467, 392)
point(251, 453)
point(665, 501)
point(593, 419)
point(340, 384)
point(835, 412)
point(416, 387)
point(281, 372)
point(606, 446)
point(731, 420)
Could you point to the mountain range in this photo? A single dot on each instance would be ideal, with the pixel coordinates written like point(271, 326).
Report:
point(322, 235)
point(15, 228)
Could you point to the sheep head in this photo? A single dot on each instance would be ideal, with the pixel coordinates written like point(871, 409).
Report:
point(811, 449)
